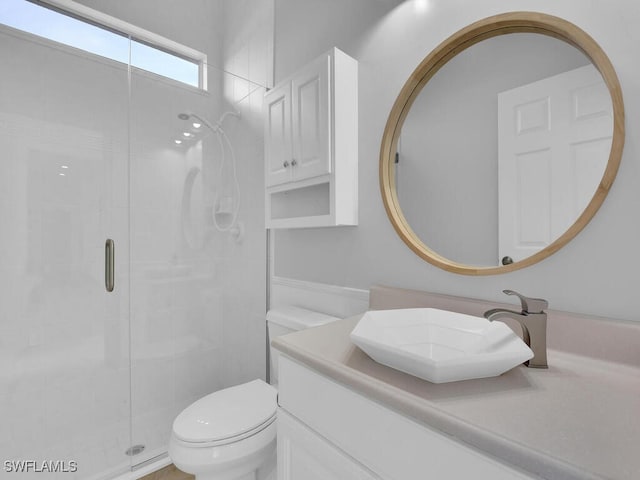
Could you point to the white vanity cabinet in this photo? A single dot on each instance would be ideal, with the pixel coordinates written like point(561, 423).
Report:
point(305, 455)
point(311, 145)
point(328, 431)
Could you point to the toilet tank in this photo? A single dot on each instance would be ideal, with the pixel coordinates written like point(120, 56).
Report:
point(289, 319)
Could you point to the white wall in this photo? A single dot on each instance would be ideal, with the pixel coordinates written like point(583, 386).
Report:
point(595, 273)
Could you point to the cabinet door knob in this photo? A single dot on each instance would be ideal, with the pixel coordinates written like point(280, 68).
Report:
point(285, 164)
point(294, 162)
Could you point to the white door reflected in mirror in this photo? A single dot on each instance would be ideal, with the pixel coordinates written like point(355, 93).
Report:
point(554, 138)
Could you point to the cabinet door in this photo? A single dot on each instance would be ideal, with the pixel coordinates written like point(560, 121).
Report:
point(277, 135)
point(302, 454)
point(311, 120)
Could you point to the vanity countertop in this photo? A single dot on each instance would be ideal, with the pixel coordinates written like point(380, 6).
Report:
point(578, 420)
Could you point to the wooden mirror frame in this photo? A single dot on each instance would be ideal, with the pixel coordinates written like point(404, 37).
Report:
point(514, 22)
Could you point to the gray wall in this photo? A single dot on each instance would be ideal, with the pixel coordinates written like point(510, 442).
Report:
point(447, 177)
point(595, 273)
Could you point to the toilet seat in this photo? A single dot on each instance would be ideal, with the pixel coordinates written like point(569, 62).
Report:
point(226, 441)
point(227, 416)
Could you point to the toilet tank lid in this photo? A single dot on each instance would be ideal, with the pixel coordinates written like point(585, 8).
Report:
point(298, 318)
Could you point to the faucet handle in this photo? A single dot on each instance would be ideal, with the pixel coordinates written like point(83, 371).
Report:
point(529, 305)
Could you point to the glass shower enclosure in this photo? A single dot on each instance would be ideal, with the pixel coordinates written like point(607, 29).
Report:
point(94, 149)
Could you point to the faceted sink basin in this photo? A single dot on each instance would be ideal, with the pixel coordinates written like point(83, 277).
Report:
point(438, 345)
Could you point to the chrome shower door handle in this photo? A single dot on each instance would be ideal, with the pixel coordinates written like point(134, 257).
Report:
point(109, 264)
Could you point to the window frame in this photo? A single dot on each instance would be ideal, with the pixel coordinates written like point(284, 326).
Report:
point(133, 33)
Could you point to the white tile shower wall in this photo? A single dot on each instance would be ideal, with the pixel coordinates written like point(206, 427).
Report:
point(197, 317)
point(389, 39)
point(64, 377)
point(174, 303)
point(240, 267)
point(197, 313)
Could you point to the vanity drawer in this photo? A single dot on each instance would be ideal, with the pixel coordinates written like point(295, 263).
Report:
point(389, 444)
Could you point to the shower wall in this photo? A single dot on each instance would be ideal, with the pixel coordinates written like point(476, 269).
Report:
point(85, 375)
point(198, 295)
point(247, 57)
point(174, 311)
point(64, 342)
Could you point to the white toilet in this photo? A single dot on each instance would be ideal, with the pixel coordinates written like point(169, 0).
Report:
point(231, 434)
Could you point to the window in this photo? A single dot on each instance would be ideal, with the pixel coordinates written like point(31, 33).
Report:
point(99, 34)
point(164, 63)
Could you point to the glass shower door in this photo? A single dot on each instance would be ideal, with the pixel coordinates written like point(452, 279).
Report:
point(197, 289)
point(64, 341)
point(175, 317)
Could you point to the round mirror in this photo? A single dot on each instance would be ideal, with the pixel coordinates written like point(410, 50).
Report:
point(502, 144)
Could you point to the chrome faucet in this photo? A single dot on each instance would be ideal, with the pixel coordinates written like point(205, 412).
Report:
point(533, 321)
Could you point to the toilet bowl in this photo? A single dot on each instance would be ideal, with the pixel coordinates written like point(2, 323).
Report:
point(231, 434)
point(227, 435)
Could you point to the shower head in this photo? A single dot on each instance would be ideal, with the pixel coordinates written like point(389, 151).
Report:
point(213, 127)
point(187, 116)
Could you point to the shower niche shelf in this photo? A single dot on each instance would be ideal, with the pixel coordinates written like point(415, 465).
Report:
point(311, 145)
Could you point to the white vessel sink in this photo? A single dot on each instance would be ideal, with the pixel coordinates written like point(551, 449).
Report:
point(439, 346)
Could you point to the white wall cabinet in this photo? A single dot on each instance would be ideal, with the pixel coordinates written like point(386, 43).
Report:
point(311, 145)
point(328, 431)
point(277, 138)
point(298, 144)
